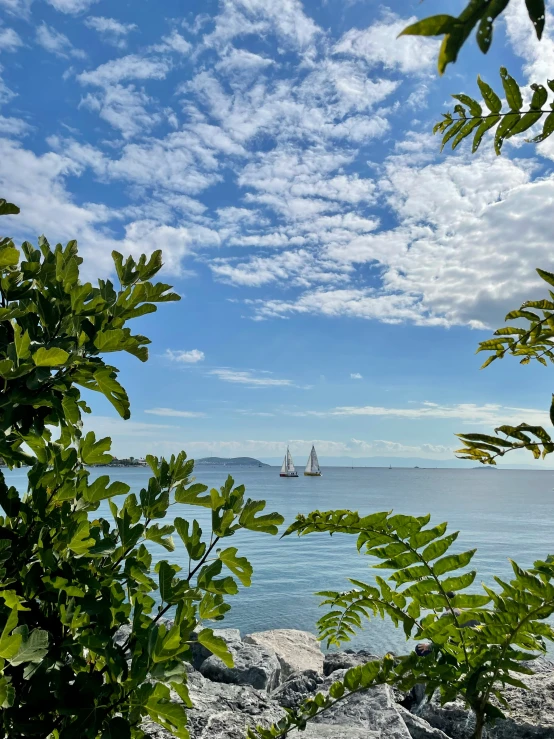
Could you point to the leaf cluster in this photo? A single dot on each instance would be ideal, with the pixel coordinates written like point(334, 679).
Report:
point(505, 118)
point(86, 647)
point(532, 340)
point(471, 644)
point(54, 331)
point(478, 15)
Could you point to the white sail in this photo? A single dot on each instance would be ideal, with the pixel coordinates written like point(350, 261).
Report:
point(312, 468)
point(284, 467)
point(290, 463)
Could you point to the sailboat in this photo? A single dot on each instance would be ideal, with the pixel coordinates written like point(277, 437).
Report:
point(312, 468)
point(288, 469)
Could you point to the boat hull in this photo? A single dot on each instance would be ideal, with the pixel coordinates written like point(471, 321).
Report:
point(312, 474)
point(284, 474)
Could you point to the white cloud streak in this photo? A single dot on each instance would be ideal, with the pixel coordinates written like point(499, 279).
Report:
point(174, 413)
point(192, 356)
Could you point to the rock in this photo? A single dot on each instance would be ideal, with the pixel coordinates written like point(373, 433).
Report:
point(296, 651)
point(373, 711)
point(344, 660)
point(222, 711)
point(199, 651)
point(418, 727)
point(254, 665)
point(300, 684)
point(531, 713)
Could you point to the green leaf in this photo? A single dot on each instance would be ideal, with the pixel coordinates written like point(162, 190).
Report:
point(547, 129)
point(511, 88)
point(94, 452)
point(453, 562)
point(537, 14)
point(196, 548)
point(484, 126)
point(166, 575)
point(216, 645)
point(504, 128)
point(8, 209)
point(435, 25)
point(9, 256)
point(239, 566)
point(50, 357)
point(114, 392)
point(9, 644)
point(267, 524)
point(101, 489)
point(540, 96)
point(33, 649)
point(492, 101)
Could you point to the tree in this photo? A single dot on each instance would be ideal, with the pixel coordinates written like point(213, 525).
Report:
point(468, 116)
point(70, 579)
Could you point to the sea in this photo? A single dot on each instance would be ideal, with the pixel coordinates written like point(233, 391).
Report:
point(504, 514)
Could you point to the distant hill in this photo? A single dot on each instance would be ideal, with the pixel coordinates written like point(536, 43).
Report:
point(233, 461)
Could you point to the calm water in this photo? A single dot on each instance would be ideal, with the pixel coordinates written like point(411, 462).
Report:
point(504, 513)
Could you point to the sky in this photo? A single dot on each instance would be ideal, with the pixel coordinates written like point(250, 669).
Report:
point(336, 270)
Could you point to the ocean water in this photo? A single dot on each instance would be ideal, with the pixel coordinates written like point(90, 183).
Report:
point(503, 513)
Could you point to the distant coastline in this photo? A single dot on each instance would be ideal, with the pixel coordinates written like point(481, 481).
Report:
point(231, 462)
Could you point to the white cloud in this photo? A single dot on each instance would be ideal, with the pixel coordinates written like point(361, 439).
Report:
point(56, 43)
point(18, 8)
point(185, 357)
point(13, 126)
point(356, 376)
point(173, 413)
point(378, 44)
point(173, 42)
point(132, 66)
point(71, 7)
point(490, 414)
point(285, 18)
point(125, 108)
point(9, 40)
point(245, 377)
point(111, 30)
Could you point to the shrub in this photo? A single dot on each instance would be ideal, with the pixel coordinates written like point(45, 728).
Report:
point(69, 578)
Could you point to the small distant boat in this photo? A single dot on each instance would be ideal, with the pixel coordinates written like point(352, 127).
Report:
point(288, 469)
point(312, 468)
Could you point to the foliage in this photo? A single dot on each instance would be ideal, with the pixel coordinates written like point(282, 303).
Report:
point(532, 341)
point(479, 14)
point(471, 644)
point(514, 118)
point(69, 578)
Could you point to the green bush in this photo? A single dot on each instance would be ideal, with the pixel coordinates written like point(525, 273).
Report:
point(70, 579)
point(470, 644)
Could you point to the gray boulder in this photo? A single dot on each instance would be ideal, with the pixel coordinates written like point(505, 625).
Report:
point(199, 651)
point(253, 665)
point(299, 685)
point(222, 711)
point(344, 660)
point(373, 711)
point(530, 716)
point(418, 727)
point(296, 650)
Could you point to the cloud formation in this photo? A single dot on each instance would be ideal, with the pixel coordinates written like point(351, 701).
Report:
point(191, 356)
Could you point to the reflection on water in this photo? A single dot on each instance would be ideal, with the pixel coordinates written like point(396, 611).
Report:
point(504, 513)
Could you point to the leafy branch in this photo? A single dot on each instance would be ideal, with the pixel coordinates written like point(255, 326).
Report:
point(478, 14)
point(469, 118)
point(470, 643)
point(534, 341)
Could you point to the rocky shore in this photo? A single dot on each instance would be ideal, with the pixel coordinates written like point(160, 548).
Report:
point(278, 669)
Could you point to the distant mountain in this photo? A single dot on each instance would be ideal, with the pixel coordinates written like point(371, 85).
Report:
point(232, 462)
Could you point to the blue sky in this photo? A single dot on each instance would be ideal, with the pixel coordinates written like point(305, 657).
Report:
point(336, 270)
